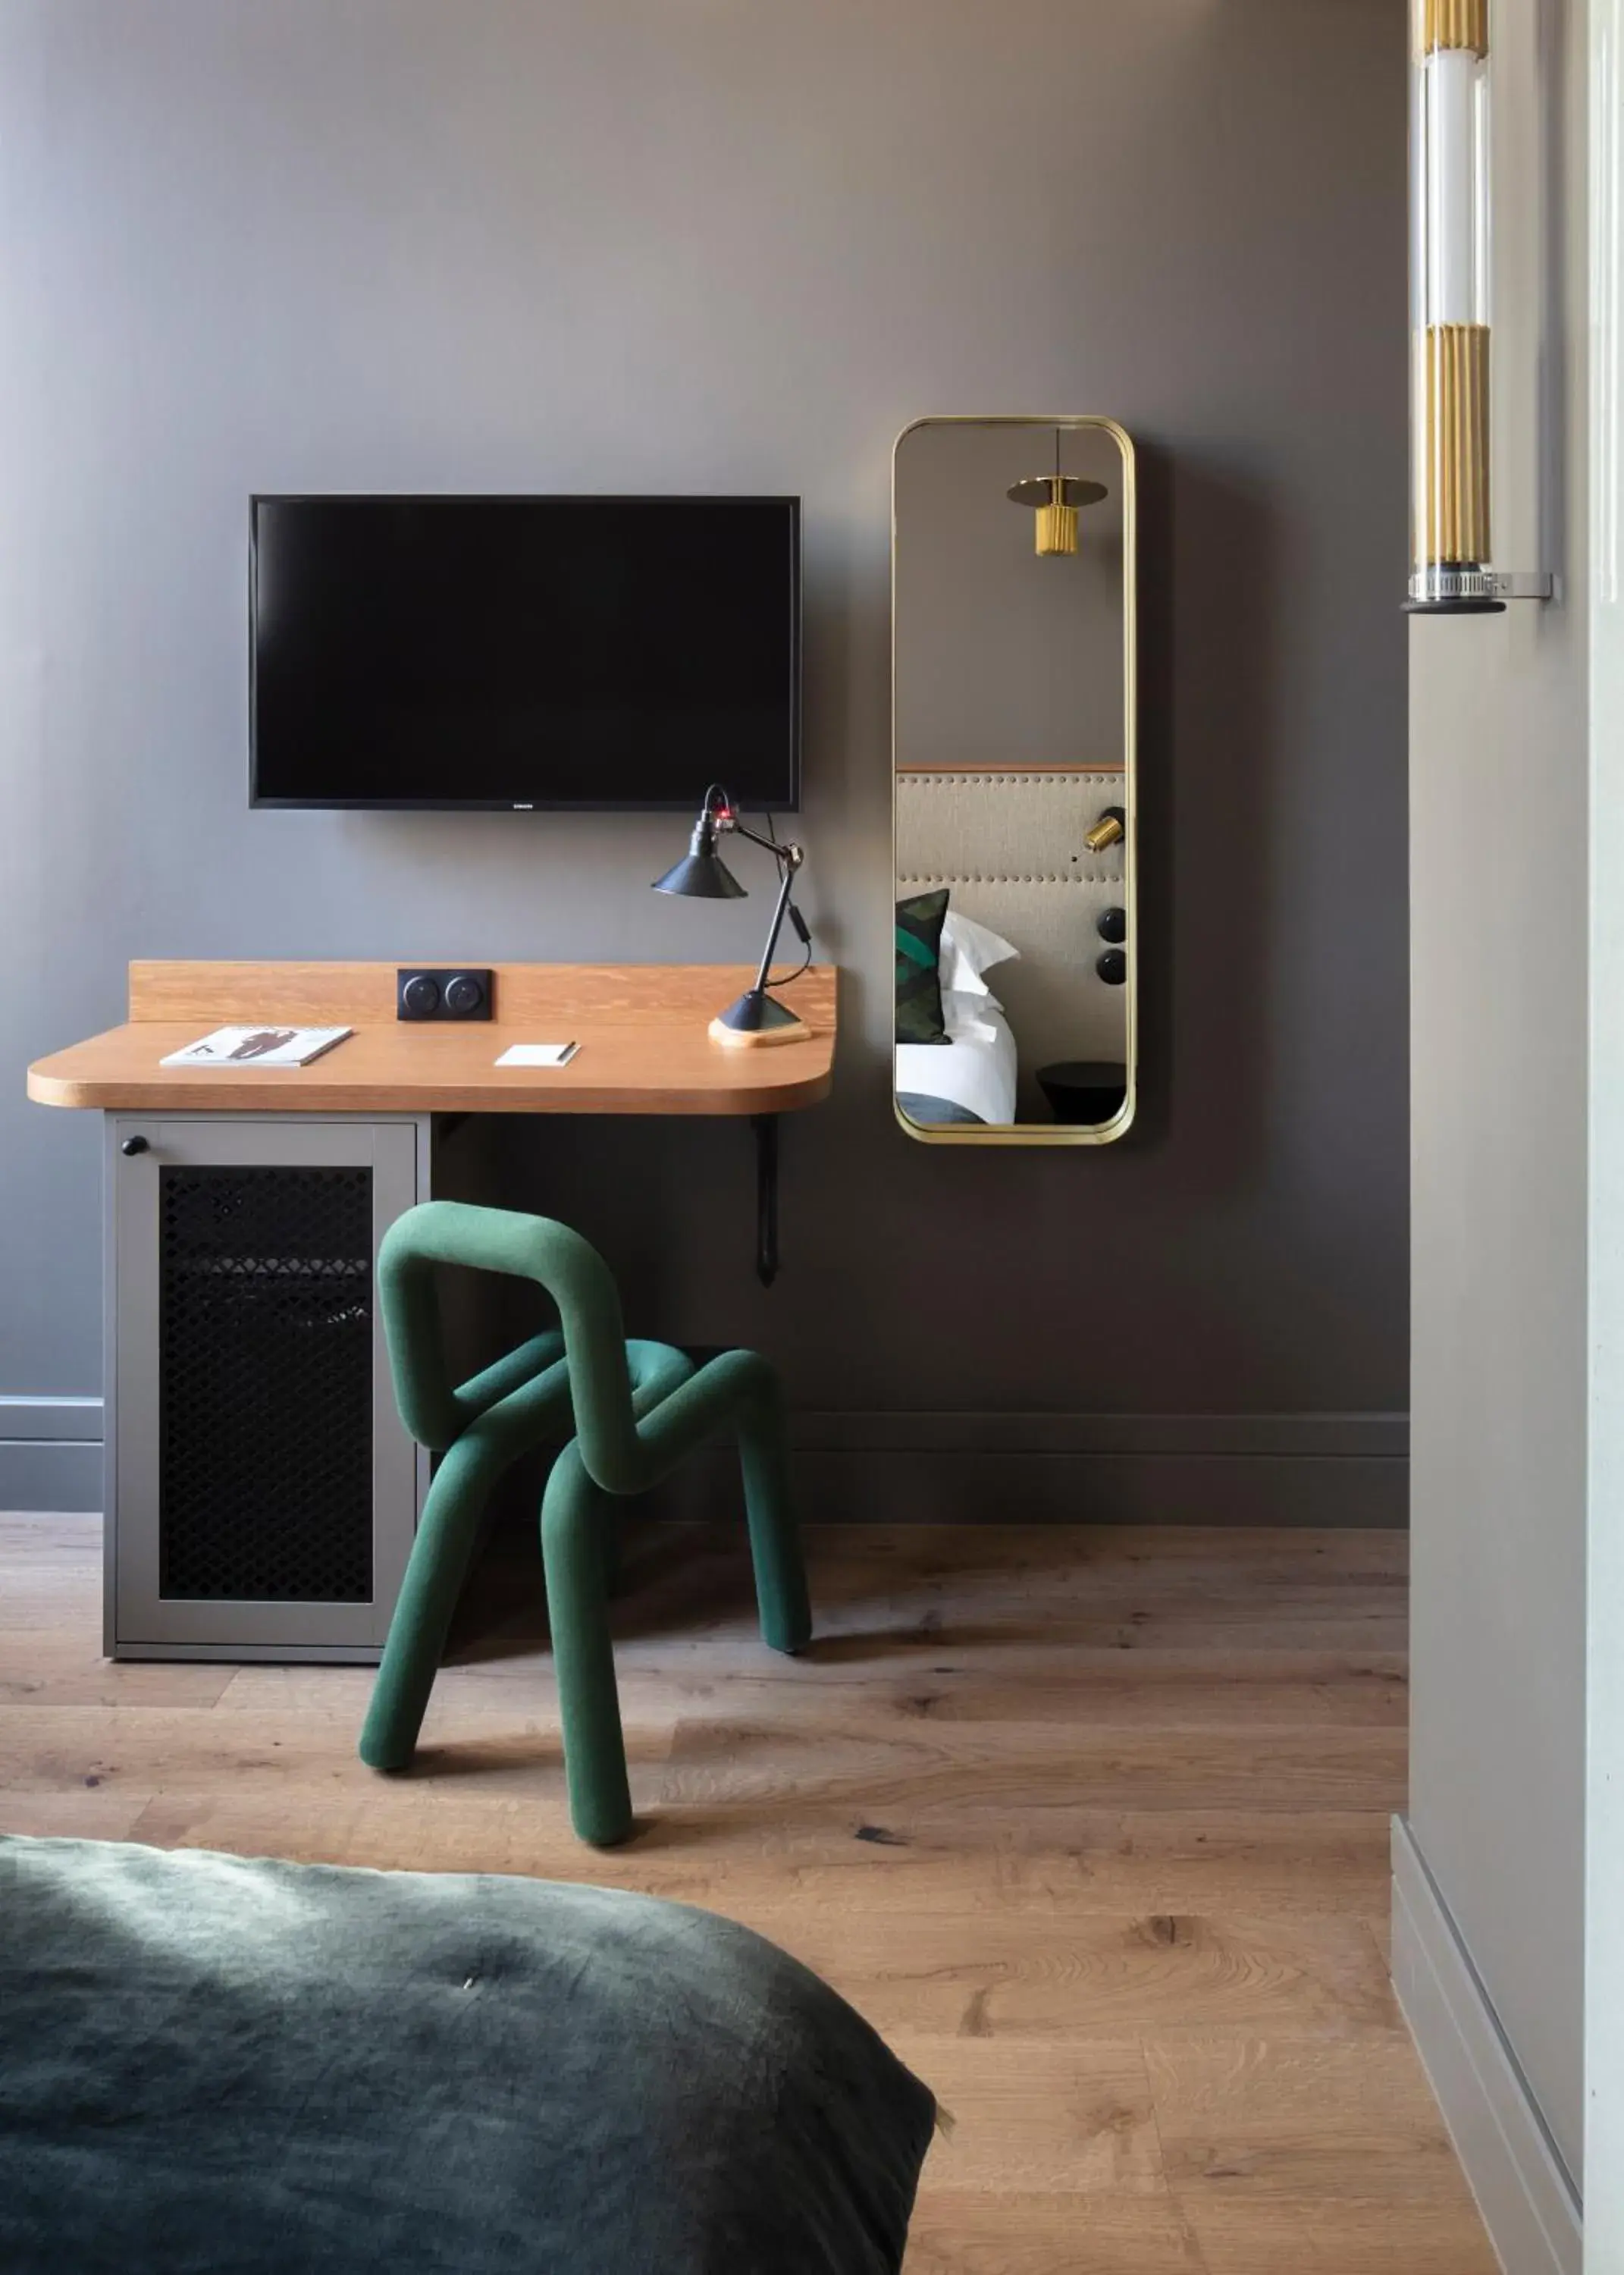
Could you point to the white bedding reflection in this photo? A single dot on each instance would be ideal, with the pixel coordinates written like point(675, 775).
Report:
point(975, 1069)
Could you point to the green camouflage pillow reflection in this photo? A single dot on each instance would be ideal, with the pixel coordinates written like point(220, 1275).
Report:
point(918, 974)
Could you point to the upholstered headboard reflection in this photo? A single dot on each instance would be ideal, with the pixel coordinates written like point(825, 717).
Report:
point(1009, 846)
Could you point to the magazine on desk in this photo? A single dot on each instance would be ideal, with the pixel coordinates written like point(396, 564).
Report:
point(269, 1047)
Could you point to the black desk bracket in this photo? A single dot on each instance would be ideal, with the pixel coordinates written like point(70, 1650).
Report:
point(765, 1127)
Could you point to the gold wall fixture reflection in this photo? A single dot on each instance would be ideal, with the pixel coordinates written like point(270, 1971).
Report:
point(1115, 826)
point(1056, 498)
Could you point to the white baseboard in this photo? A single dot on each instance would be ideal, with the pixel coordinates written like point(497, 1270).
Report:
point(50, 1452)
point(1523, 2189)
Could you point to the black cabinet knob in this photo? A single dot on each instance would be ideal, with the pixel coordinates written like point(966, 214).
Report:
point(132, 1146)
point(1113, 924)
point(1112, 967)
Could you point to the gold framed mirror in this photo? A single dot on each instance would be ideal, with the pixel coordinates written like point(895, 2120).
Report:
point(1014, 785)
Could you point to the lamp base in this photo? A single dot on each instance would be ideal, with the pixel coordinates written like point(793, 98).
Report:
point(754, 1020)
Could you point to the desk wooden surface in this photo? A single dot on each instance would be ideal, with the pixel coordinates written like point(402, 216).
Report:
point(641, 1028)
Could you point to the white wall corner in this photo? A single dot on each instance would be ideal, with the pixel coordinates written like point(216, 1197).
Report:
point(1523, 2189)
point(1604, 1965)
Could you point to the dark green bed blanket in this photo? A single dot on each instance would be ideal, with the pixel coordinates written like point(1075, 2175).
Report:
point(214, 2066)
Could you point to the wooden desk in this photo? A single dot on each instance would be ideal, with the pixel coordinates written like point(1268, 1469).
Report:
point(262, 1495)
point(641, 1029)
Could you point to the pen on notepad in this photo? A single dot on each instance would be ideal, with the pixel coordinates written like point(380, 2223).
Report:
point(538, 1054)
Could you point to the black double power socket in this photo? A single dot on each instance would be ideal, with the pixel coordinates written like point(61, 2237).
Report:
point(455, 991)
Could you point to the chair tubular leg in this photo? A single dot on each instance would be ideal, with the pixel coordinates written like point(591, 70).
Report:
point(434, 1579)
point(574, 1519)
point(782, 1598)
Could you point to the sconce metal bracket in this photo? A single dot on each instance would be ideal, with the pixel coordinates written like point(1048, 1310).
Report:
point(1449, 589)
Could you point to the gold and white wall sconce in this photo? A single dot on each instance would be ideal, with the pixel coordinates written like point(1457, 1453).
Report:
point(1453, 566)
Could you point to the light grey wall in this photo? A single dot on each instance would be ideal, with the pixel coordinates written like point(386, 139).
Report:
point(704, 244)
point(1499, 734)
point(1604, 1983)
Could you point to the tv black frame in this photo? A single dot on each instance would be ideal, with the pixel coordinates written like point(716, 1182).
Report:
point(257, 498)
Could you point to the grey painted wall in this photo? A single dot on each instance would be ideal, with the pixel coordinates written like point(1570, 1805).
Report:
point(1499, 947)
point(702, 244)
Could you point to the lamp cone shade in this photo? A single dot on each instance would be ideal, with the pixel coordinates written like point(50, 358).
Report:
point(702, 877)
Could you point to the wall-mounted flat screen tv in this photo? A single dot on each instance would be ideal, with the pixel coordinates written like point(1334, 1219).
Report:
point(525, 651)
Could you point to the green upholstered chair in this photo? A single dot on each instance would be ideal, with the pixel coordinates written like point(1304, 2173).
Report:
point(634, 1409)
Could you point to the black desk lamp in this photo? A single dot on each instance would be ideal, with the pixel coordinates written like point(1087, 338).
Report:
point(703, 875)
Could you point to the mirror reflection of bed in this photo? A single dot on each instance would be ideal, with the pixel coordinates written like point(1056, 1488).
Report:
point(964, 1069)
point(1013, 774)
point(1029, 966)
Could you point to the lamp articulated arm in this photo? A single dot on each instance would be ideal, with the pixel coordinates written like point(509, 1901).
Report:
point(789, 858)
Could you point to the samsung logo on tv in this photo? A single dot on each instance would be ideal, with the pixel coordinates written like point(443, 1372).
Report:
point(524, 806)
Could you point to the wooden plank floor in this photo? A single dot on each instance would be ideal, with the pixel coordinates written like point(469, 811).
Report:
point(1091, 1823)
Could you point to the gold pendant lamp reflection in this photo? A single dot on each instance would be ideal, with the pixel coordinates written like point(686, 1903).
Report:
point(1056, 498)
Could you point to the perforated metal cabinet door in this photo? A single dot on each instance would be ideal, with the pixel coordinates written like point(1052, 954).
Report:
point(262, 1492)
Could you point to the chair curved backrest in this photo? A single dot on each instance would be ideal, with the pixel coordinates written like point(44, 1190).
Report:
point(535, 1248)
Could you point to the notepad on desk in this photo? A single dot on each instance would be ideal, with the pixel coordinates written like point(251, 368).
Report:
point(538, 1054)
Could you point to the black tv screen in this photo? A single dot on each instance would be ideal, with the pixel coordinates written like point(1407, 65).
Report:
point(525, 651)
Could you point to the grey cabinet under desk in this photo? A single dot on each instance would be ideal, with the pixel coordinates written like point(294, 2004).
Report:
point(262, 1495)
